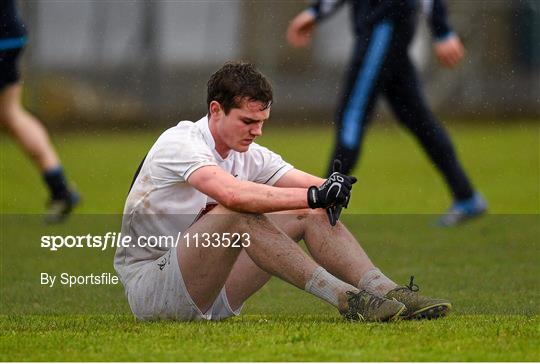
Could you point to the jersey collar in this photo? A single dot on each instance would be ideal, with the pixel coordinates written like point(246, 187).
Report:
point(209, 139)
point(205, 130)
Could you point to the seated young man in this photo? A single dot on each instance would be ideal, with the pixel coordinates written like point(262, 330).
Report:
point(206, 182)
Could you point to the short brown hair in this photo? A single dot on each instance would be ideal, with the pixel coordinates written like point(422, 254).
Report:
point(235, 81)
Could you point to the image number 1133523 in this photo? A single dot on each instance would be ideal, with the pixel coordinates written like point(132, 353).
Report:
point(215, 240)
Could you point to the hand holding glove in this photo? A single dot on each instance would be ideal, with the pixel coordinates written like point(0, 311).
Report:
point(335, 191)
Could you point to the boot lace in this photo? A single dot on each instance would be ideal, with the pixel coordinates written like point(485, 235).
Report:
point(412, 286)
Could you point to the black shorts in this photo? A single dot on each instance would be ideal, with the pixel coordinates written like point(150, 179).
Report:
point(9, 70)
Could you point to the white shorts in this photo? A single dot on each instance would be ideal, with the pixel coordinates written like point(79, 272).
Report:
point(157, 291)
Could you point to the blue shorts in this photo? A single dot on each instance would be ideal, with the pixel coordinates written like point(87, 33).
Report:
point(9, 70)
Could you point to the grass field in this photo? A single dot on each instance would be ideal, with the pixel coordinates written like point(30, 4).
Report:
point(488, 268)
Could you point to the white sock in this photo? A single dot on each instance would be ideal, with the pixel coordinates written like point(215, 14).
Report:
point(375, 282)
point(327, 287)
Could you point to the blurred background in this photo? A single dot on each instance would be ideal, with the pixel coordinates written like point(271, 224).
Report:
point(100, 63)
point(106, 77)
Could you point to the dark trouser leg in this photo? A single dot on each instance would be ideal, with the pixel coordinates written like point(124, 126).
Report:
point(360, 94)
point(407, 102)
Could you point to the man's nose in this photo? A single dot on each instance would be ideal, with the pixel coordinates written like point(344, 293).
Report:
point(257, 130)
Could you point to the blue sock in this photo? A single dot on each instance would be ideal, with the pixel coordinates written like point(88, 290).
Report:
point(56, 181)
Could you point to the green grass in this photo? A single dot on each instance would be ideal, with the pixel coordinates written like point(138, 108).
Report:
point(488, 268)
point(269, 338)
point(394, 175)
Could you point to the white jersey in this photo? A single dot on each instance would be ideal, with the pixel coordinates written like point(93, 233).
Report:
point(162, 203)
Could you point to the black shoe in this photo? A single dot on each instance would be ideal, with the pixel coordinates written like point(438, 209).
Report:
point(419, 307)
point(58, 209)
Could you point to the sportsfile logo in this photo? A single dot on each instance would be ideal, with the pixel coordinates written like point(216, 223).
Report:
point(102, 242)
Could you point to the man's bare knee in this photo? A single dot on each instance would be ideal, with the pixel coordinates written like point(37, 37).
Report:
point(311, 217)
point(294, 222)
point(237, 221)
point(310, 214)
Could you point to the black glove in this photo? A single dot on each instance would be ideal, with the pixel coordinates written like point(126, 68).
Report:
point(334, 191)
point(333, 212)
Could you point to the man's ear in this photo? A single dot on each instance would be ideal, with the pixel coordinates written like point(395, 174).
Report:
point(215, 108)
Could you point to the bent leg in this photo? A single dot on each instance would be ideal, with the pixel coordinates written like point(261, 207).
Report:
point(246, 277)
point(206, 270)
point(334, 248)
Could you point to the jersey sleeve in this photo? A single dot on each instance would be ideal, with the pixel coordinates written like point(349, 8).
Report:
point(265, 166)
point(178, 162)
point(323, 9)
point(438, 19)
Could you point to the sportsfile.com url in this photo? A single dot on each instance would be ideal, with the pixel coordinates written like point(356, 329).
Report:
point(118, 240)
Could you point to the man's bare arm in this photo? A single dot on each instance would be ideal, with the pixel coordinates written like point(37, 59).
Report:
point(244, 196)
point(297, 178)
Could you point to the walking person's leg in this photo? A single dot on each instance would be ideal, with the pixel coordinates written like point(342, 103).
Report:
point(33, 138)
point(409, 105)
point(364, 77)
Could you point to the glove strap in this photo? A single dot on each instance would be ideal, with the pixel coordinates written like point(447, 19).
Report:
point(313, 197)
